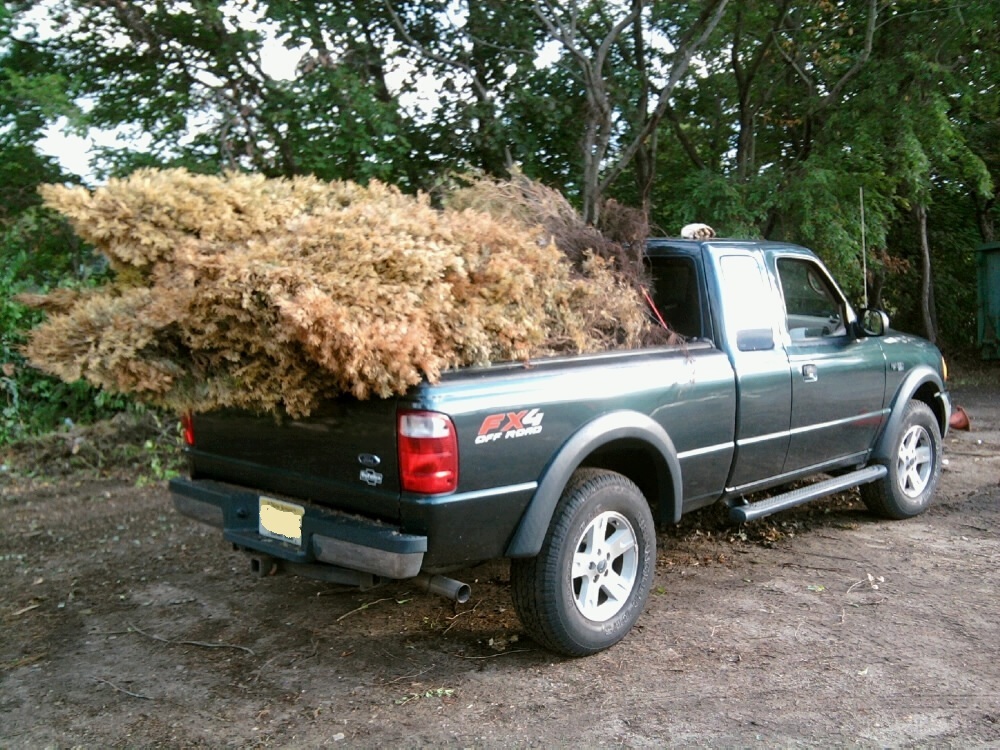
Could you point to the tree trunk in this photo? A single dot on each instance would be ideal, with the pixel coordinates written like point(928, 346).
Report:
point(926, 296)
point(600, 117)
point(984, 217)
point(645, 157)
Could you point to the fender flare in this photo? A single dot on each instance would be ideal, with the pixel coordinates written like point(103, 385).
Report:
point(917, 378)
point(608, 428)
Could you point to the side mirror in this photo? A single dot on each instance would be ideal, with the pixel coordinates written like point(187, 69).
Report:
point(874, 322)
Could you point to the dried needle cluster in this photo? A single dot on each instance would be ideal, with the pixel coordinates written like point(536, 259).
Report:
point(274, 294)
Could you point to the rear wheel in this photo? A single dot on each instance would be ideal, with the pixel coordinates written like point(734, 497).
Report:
point(914, 467)
point(589, 583)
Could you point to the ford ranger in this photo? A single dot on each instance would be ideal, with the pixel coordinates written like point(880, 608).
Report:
point(565, 465)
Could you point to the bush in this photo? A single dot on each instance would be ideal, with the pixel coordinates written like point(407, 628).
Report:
point(32, 402)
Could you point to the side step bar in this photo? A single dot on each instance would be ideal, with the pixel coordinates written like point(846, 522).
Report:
point(767, 506)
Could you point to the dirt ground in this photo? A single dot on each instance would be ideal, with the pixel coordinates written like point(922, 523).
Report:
point(123, 624)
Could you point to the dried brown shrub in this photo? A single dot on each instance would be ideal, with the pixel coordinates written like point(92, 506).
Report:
point(620, 239)
point(274, 294)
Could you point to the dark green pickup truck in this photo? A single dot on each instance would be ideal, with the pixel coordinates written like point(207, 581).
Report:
point(565, 465)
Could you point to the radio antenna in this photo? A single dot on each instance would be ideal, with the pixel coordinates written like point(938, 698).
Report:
point(864, 252)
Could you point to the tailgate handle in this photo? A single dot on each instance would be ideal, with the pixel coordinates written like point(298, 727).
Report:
point(809, 373)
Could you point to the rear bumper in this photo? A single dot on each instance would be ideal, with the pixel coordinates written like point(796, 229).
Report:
point(339, 539)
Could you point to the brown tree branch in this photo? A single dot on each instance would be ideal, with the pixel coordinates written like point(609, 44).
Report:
point(481, 90)
point(690, 43)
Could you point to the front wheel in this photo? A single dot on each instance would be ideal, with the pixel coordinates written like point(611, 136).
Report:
point(914, 467)
point(589, 583)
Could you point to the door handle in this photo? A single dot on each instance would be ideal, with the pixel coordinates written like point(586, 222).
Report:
point(809, 373)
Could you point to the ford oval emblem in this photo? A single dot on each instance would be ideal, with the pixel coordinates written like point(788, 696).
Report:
point(369, 459)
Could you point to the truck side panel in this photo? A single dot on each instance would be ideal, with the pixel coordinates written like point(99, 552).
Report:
point(513, 425)
point(510, 425)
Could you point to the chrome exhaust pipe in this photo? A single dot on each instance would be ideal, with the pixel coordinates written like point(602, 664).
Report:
point(449, 588)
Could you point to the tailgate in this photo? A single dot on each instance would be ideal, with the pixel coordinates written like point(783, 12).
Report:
point(344, 455)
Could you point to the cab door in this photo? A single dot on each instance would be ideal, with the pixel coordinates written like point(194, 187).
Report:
point(837, 378)
point(763, 380)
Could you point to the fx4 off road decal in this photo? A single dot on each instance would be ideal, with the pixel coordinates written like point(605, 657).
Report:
point(510, 424)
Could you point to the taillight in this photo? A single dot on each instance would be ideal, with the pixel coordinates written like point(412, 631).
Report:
point(428, 453)
point(187, 425)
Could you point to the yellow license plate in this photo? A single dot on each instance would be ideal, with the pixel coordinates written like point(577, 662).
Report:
point(280, 520)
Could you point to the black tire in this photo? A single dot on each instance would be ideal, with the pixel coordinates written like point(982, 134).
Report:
point(914, 467)
point(564, 610)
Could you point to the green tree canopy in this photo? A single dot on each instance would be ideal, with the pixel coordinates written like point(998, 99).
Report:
point(763, 119)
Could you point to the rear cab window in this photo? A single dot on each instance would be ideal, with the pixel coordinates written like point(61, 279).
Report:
point(676, 290)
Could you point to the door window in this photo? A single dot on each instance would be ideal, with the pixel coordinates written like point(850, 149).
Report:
point(813, 308)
